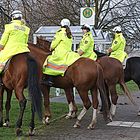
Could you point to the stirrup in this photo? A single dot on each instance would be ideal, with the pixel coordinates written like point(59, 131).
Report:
point(1, 84)
point(46, 82)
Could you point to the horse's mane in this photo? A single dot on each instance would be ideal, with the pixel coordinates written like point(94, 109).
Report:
point(43, 43)
point(34, 47)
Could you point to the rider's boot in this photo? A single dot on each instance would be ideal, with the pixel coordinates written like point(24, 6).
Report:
point(47, 80)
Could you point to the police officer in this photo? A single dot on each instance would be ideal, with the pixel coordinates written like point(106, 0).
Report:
point(62, 55)
point(118, 45)
point(86, 45)
point(14, 39)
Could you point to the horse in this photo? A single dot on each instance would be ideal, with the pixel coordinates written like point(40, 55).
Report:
point(84, 80)
point(113, 75)
point(20, 73)
point(131, 71)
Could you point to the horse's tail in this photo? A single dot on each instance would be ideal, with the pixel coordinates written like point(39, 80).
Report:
point(33, 86)
point(126, 91)
point(102, 89)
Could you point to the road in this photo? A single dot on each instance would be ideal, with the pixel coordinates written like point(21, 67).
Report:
point(126, 114)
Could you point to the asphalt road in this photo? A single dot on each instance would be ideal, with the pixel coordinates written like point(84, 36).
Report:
point(62, 129)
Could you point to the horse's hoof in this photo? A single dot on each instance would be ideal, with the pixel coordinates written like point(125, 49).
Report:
point(6, 124)
point(100, 112)
point(46, 121)
point(110, 118)
point(18, 132)
point(74, 115)
point(91, 127)
point(77, 125)
point(31, 132)
point(68, 117)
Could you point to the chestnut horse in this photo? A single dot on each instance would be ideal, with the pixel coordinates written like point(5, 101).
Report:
point(113, 75)
point(79, 77)
point(21, 72)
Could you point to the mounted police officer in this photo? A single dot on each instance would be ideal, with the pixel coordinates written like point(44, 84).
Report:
point(62, 54)
point(86, 46)
point(14, 39)
point(118, 45)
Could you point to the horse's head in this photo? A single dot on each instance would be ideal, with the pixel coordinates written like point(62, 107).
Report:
point(44, 44)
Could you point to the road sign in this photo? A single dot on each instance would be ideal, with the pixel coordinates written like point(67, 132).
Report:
point(87, 16)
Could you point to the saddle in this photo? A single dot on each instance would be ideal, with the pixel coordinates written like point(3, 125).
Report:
point(99, 54)
point(48, 80)
point(4, 70)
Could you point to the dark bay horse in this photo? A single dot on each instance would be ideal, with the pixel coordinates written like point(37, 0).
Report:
point(79, 77)
point(21, 72)
point(132, 71)
point(113, 75)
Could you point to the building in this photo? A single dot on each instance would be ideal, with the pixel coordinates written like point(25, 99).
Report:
point(101, 38)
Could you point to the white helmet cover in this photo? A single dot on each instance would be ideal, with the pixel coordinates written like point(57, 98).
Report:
point(117, 28)
point(65, 22)
point(16, 14)
point(86, 26)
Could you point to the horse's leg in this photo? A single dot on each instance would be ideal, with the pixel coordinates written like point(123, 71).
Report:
point(114, 98)
point(1, 105)
point(139, 107)
point(22, 104)
point(46, 90)
point(95, 102)
point(32, 123)
point(8, 107)
point(72, 106)
point(86, 105)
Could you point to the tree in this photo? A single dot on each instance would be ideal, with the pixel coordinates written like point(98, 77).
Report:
point(108, 13)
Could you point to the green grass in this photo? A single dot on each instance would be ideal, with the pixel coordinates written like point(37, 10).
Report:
point(131, 86)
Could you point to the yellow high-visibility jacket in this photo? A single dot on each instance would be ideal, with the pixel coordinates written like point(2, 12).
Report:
point(14, 40)
point(118, 46)
point(87, 46)
point(62, 55)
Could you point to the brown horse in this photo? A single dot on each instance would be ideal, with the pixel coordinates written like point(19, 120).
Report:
point(21, 72)
point(79, 77)
point(113, 75)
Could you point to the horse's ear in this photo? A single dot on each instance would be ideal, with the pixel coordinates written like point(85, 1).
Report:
point(37, 39)
point(40, 38)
